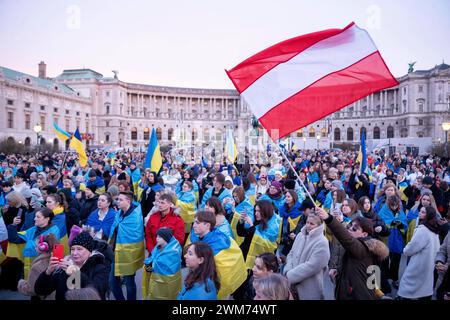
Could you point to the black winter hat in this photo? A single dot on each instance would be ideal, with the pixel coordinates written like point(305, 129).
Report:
point(93, 188)
point(92, 174)
point(85, 240)
point(165, 233)
point(289, 184)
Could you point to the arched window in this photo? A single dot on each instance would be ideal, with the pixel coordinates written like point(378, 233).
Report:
point(312, 133)
point(390, 132)
point(194, 134)
point(108, 108)
point(11, 140)
point(376, 133)
point(337, 134)
point(107, 137)
point(206, 134)
point(134, 133)
point(146, 134)
point(323, 132)
point(349, 134)
point(159, 134)
point(299, 133)
point(27, 141)
point(55, 143)
point(170, 134)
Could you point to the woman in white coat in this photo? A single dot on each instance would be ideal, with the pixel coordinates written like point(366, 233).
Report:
point(307, 261)
point(418, 279)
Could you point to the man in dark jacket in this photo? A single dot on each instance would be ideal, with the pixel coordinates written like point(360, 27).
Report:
point(362, 253)
point(88, 204)
point(90, 264)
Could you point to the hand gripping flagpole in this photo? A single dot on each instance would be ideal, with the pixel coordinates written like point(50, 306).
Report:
point(295, 172)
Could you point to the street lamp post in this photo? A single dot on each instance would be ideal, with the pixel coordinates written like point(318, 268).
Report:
point(318, 140)
point(446, 127)
point(304, 144)
point(37, 128)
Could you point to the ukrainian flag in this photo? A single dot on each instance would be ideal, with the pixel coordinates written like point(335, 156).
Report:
point(153, 159)
point(187, 204)
point(293, 146)
point(229, 261)
point(164, 282)
point(362, 157)
point(230, 147)
point(263, 240)
point(76, 144)
point(129, 252)
point(60, 133)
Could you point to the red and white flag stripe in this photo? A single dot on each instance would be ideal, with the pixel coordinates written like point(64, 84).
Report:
point(301, 80)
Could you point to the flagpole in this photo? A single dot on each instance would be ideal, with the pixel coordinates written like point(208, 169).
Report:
point(295, 172)
point(62, 166)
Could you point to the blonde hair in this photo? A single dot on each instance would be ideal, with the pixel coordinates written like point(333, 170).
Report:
point(16, 199)
point(43, 181)
point(273, 286)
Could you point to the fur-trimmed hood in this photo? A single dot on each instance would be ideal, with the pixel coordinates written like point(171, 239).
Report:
point(377, 248)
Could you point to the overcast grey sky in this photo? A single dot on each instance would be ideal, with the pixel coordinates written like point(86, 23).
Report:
point(189, 43)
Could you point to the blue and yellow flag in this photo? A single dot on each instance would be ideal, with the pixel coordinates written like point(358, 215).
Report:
point(230, 147)
point(293, 146)
point(229, 261)
point(165, 282)
point(153, 159)
point(76, 144)
point(362, 157)
point(60, 133)
point(263, 240)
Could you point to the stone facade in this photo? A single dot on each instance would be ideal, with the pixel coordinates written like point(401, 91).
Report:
point(117, 113)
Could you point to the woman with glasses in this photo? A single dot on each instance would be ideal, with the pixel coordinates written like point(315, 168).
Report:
point(362, 252)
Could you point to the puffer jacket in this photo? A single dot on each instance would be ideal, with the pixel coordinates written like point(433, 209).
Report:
point(360, 253)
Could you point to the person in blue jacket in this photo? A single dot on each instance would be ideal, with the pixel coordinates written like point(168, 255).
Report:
point(219, 191)
point(103, 217)
point(202, 281)
point(275, 195)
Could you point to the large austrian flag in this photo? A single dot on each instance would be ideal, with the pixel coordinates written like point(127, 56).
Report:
point(303, 79)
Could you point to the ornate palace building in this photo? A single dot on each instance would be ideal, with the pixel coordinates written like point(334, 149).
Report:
point(110, 112)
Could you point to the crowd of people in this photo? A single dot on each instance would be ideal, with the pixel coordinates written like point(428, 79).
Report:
point(273, 230)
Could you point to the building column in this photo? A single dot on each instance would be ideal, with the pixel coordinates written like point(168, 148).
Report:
point(395, 99)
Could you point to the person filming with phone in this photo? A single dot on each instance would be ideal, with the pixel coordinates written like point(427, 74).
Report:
point(85, 266)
